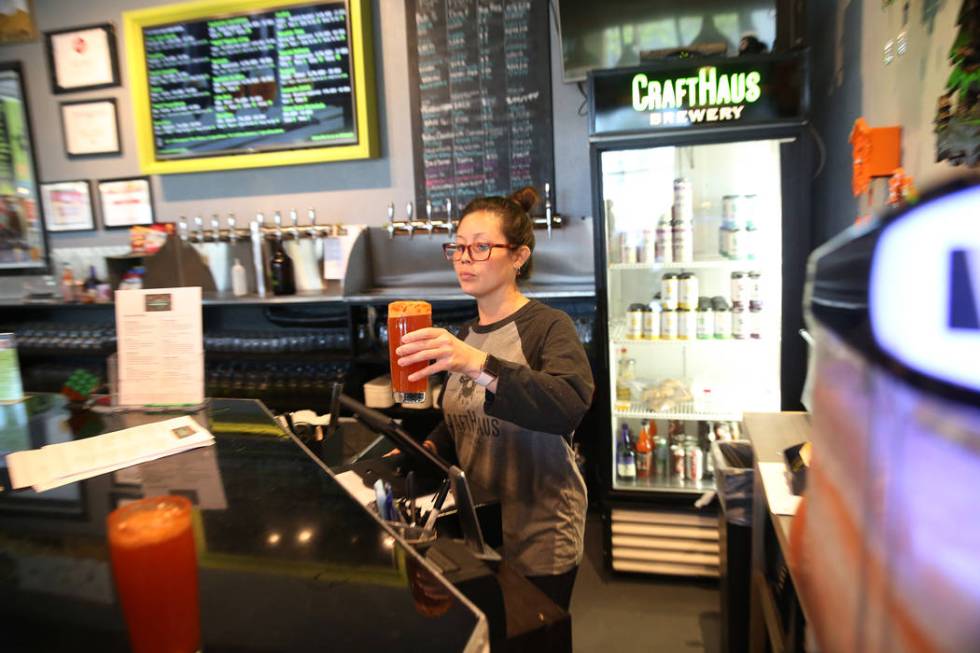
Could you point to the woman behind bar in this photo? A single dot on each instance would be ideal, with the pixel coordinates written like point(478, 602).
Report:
point(519, 383)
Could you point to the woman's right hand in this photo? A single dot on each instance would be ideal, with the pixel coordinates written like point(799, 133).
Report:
point(428, 444)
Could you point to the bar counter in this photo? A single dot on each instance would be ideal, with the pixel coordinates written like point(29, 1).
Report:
point(287, 561)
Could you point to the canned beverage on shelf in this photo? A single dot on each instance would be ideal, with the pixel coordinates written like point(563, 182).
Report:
point(634, 321)
point(723, 318)
point(661, 456)
point(705, 319)
point(646, 252)
point(755, 322)
point(693, 462)
point(682, 240)
point(755, 288)
point(686, 324)
point(669, 290)
point(687, 290)
point(668, 324)
point(651, 322)
point(740, 327)
point(663, 246)
point(683, 207)
point(740, 288)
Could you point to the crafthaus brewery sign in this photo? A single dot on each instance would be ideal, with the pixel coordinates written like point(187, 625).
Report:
point(698, 94)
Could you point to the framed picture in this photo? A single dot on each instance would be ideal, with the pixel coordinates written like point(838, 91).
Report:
point(17, 21)
point(90, 127)
point(125, 202)
point(68, 206)
point(82, 58)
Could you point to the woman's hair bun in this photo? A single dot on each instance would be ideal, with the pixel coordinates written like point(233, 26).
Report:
point(527, 197)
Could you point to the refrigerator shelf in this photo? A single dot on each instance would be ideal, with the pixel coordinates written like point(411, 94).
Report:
point(671, 484)
point(703, 264)
point(617, 334)
point(684, 412)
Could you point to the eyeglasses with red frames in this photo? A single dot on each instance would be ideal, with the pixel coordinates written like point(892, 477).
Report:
point(477, 251)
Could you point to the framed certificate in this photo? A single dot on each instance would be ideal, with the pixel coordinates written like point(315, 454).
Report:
point(125, 202)
point(68, 206)
point(83, 58)
point(90, 127)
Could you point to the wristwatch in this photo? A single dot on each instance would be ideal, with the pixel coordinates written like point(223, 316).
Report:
point(489, 372)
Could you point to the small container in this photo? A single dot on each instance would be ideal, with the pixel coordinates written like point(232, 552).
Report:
point(634, 321)
point(239, 282)
point(677, 461)
point(723, 318)
point(647, 252)
point(669, 290)
point(682, 240)
point(651, 322)
point(663, 246)
point(740, 289)
point(687, 285)
point(705, 325)
point(661, 456)
point(686, 324)
point(740, 327)
point(755, 323)
point(668, 324)
point(693, 462)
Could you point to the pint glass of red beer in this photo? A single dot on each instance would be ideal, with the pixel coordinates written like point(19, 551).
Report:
point(154, 565)
point(404, 317)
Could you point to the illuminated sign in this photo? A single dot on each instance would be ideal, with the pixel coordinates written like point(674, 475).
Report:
point(747, 90)
point(924, 291)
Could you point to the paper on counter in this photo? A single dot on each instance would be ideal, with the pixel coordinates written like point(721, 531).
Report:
point(67, 462)
point(781, 500)
point(364, 495)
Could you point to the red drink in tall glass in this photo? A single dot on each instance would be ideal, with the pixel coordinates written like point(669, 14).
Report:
point(154, 565)
point(405, 317)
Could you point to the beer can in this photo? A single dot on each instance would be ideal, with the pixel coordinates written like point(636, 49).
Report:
point(686, 324)
point(740, 289)
point(669, 290)
point(651, 322)
point(634, 321)
point(663, 250)
point(668, 324)
point(693, 462)
point(682, 241)
point(729, 208)
point(683, 200)
point(687, 288)
point(661, 456)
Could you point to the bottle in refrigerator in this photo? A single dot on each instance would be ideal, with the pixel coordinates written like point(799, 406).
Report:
point(682, 240)
point(740, 289)
point(624, 381)
point(625, 457)
point(661, 456)
point(729, 218)
point(644, 452)
point(663, 245)
point(750, 234)
point(740, 327)
point(755, 290)
point(693, 461)
point(648, 252)
point(755, 322)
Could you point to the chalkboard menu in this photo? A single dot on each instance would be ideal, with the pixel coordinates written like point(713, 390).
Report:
point(270, 80)
point(481, 98)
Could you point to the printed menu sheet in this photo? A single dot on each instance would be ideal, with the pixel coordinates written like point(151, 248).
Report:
point(160, 346)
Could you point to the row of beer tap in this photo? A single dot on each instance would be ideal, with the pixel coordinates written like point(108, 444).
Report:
point(257, 228)
point(412, 224)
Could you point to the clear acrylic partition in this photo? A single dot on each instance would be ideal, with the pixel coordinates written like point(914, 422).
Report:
point(717, 378)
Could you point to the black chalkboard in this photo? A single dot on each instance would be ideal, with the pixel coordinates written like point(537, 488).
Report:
point(481, 98)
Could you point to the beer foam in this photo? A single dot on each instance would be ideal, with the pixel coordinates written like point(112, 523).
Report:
point(141, 526)
point(403, 308)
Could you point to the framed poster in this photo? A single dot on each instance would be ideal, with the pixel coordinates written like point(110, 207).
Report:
point(90, 127)
point(125, 202)
point(82, 58)
point(17, 21)
point(68, 206)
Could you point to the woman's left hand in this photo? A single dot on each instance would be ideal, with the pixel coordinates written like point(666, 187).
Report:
point(447, 353)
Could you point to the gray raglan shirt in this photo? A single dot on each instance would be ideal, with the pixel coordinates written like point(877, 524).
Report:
point(515, 442)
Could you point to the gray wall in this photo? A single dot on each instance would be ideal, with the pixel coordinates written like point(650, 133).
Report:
point(350, 192)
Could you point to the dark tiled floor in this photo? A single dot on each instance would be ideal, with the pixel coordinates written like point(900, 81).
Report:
point(613, 613)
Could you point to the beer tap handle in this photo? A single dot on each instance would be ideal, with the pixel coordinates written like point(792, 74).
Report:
point(451, 226)
point(199, 227)
point(293, 223)
point(428, 217)
point(277, 221)
point(391, 221)
point(409, 212)
point(215, 228)
point(311, 218)
point(547, 207)
point(232, 228)
point(182, 228)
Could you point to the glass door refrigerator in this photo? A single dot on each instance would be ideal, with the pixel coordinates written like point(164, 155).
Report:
point(700, 177)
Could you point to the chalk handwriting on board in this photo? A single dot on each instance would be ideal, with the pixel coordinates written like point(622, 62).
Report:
point(481, 98)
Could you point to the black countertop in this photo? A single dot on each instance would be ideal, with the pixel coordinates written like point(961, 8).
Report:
point(287, 560)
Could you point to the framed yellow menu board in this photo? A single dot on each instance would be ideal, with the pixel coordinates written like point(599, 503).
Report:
point(224, 84)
